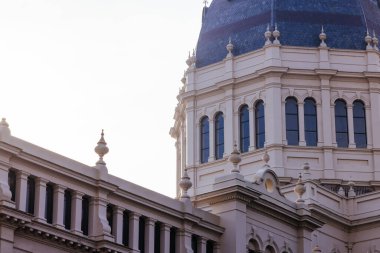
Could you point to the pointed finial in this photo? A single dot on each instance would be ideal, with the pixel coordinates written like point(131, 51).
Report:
point(268, 35)
point(300, 189)
point(375, 41)
point(322, 37)
point(205, 2)
point(188, 60)
point(101, 149)
point(5, 132)
point(276, 35)
point(235, 159)
point(229, 48)
point(368, 40)
point(185, 184)
point(183, 79)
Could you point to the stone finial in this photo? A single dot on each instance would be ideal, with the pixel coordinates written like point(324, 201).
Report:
point(276, 35)
point(101, 149)
point(192, 60)
point(229, 48)
point(300, 189)
point(323, 37)
point(341, 192)
point(4, 128)
point(316, 249)
point(183, 79)
point(375, 41)
point(268, 35)
point(351, 191)
point(188, 60)
point(185, 184)
point(266, 157)
point(368, 40)
point(235, 159)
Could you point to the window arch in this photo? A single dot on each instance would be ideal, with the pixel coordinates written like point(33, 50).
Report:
point(205, 139)
point(260, 124)
point(341, 124)
point(360, 130)
point(253, 246)
point(219, 135)
point(310, 118)
point(291, 113)
point(244, 128)
point(269, 249)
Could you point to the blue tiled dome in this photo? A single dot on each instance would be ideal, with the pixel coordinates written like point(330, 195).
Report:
point(299, 21)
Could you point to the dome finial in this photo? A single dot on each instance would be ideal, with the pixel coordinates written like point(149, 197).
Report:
point(268, 35)
point(276, 35)
point(323, 37)
point(368, 40)
point(101, 149)
point(185, 184)
point(375, 41)
point(229, 48)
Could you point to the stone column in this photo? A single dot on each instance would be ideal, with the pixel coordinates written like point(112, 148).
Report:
point(165, 238)
point(229, 133)
point(301, 119)
point(76, 212)
point(21, 190)
point(149, 235)
point(368, 126)
point(252, 129)
point(58, 206)
point(212, 139)
point(333, 128)
point(350, 118)
point(319, 124)
point(134, 231)
point(118, 224)
point(40, 198)
point(304, 240)
point(202, 245)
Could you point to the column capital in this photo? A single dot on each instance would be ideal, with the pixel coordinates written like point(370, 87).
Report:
point(41, 181)
point(22, 174)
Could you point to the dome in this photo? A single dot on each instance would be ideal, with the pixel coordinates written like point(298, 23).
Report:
point(299, 21)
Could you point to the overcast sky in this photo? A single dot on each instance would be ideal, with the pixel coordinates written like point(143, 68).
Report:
point(69, 68)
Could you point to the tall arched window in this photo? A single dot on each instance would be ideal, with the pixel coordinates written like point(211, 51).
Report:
point(360, 128)
point(219, 135)
point(310, 117)
point(259, 124)
point(205, 140)
point(244, 128)
point(341, 125)
point(291, 112)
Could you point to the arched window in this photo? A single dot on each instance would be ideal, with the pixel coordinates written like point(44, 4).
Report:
point(291, 112)
point(341, 125)
point(269, 249)
point(260, 124)
point(253, 246)
point(205, 140)
point(360, 132)
point(244, 128)
point(310, 117)
point(219, 135)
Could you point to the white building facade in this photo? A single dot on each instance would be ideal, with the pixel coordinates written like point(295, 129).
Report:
point(277, 147)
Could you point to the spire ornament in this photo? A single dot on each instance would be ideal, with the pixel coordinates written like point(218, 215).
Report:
point(323, 37)
point(101, 149)
point(235, 159)
point(185, 184)
point(368, 40)
point(276, 35)
point(375, 41)
point(268, 35)
point(229, 48)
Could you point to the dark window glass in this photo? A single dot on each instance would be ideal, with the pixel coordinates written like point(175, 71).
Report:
point(291, 113)
point(310, 117)
point(12, 183)
point(173, 236)
point(85, 214)
point(49, 203)
point(110, 217)
point(126, 228)
point(194, 243)
point(360, 129)
point(67, 209)
point(219, 135)
point(30, 195)
point(157, 238)
point(259, 124)
point(209, 246)
point(142, 234)
point(205, 142)
point(244, 128)
point(341, 124)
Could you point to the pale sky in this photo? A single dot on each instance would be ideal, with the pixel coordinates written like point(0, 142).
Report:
point(69, 68)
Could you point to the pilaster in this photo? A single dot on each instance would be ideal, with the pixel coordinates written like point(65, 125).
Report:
point(134, 231)
point(350, 118)
point(190, 134)
point(76, 212)
point(165, 238)
point(301, 119)
point(252, 129)
point(39, 207)
point(118, 224)
point(21, 190)
point(149, 235)
point(211, 139)
point(58, 203)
